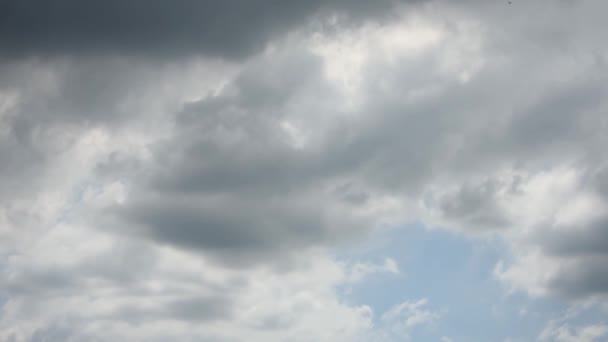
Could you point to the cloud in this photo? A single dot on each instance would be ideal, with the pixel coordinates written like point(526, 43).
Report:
point(560, 248)
point(84, 284)
point(401, 320)
point(564, 333)
point(412, 313)
point(230, 181)
point(229, 29)
point(203, 194)
point(359, 271)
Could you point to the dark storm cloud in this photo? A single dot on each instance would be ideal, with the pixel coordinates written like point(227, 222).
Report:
point(226, 28)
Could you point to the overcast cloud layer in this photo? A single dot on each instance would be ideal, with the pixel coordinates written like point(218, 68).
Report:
point(191, 170)
point(229, 29)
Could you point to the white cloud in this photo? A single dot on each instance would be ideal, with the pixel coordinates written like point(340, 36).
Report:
point(359, 271)
point(564, 333)
point(401, 320)
point(111, 289)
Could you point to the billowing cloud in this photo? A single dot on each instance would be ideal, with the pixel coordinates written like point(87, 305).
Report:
point(203, 193)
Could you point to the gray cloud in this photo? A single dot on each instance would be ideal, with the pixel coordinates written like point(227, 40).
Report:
point(188, 308)
point(127, 282)
point(277, 161)
point(475, 206)
point(588, 240)
point(583, 252)
point(230, 29)
point(47, 106)
point(230, 181)
point(582, 279)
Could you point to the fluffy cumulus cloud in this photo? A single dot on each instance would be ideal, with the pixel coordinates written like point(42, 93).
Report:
point(185, 170)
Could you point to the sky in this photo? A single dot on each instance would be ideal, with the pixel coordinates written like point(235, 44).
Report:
point(323, 170)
